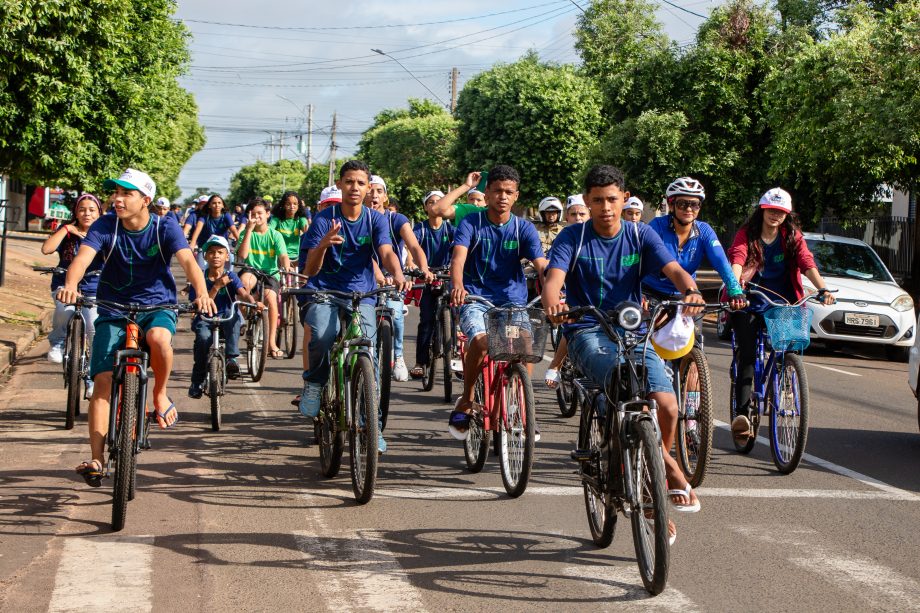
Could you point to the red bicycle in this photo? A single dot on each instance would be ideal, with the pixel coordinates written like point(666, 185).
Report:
point(503, 389)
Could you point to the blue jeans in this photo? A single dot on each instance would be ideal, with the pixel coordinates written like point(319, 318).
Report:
point(62, 315)
point(399, 325)
point(595, 355)
point(323, 319)
point(229, 331)
point(473, 319)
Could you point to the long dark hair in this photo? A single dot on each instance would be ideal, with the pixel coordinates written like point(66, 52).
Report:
point(278, 210)
point(211, 199)
point(754, 227)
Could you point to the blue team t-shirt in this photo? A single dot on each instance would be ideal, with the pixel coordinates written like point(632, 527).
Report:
point(435, 243)
point(607, 271)
point(493, 261)
point(396, 221)
point(67, 251)
point(136, 268)
point(214, 225)
point(346, 267)
point(226, 295)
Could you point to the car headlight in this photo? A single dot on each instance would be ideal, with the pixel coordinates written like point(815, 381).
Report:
point(903, 303)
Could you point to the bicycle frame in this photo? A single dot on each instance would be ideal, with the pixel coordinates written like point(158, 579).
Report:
point(494, 378)
point(132, 359)
point(350, 343)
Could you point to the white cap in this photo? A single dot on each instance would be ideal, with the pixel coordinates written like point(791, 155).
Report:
point(162, 202)
point(474, 191)
point(133, 179)
point(674, 339)
point(435, 192)
point(203, 198)
point(378, 180)
point(777, 198)
point(633, 203)
point(216, 239)
point(574, 200)
point(330, 194)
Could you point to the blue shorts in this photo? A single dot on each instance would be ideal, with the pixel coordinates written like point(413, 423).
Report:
point(473, 319)
point(595, 355)
point(110, 336)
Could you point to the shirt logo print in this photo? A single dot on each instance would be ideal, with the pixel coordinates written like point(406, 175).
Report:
point(364, 240)
point(154, 249)
point(779, 258)
point(510, 245)
point(629, 260)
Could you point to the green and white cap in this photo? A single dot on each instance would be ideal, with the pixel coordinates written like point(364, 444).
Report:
point(133, 179)
point(216, 239)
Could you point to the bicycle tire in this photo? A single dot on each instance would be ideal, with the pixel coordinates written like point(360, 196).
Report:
point(362, 431)
point(430, 368)
point(73, 371)
point(385, 364)
point(565, 393)
point(476, 445)
point(445, 323)
point(694, 430)
point(602, 517)
point(257, 352)
point(650, 541)
point(732, 413)
point(329, 437)
point(124, 453)
point(215, 389)
point(289, 331)
point(554, 335)
point(517, 434)
point(788, 435)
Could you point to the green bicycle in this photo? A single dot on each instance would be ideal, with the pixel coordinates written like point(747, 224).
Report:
point(350, 399)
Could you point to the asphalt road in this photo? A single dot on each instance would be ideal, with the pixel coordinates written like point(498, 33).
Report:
point(242, 520)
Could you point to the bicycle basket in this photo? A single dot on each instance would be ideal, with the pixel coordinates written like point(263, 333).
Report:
point(788, 327)
point(516, 333)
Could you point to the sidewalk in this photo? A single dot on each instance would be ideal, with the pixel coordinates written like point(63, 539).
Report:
point(25, 299)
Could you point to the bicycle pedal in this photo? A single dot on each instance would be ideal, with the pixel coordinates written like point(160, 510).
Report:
point(581, 455)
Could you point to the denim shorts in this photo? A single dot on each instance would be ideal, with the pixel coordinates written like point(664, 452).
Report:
point(473, 319)
point(595, 354)
point(110, 336)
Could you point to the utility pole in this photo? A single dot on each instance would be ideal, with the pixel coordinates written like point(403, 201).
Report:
point(454, 76)
point(309, 137)
point(332, 152)
point(281, 146)
point(271, 146)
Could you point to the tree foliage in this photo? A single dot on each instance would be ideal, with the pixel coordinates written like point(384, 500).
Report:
point(88, 88)
point(540, 118)
point(264, 179)
point(315, 180)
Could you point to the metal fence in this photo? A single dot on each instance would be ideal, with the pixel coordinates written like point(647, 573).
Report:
point(891, 237)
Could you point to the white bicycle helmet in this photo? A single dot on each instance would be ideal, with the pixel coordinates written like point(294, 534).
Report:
point(686, 186)
point(550, 203)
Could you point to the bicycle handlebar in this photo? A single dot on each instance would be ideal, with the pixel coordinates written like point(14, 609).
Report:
point(133, 308)
point(354, 297)
point(233, 310)
point(470, 299)
point(770, 301)
point(58, 270)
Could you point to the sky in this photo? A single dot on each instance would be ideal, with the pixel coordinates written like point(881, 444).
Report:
point(256, 66)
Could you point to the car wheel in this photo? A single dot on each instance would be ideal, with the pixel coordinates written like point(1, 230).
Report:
point(897, 354)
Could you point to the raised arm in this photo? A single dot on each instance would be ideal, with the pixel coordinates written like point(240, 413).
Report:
point(445, 206)
point(68, 294)
point(54, 241)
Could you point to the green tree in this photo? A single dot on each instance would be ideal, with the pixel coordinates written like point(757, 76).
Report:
point(539, 118)
point(315, 180)
point(264, 179)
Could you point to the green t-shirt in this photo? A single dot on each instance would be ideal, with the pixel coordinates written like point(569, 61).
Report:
point(264, 250)
point(461, 210)
point(290, 230)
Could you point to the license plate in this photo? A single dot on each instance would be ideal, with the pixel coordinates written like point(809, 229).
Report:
point(860, 319)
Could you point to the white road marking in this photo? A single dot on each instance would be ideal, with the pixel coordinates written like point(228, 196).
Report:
point(623, 586)
point(252, 390)
point(841, 470)
point(832, 369)
point(739, 492)
point(104, 573)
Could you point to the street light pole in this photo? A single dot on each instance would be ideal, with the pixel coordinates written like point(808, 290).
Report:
point(383, 53)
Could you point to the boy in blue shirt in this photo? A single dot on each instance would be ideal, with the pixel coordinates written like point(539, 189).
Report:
point(224, 287)
point(486, 262)
point(137, 248)
point(601, 263)
point(337, 252)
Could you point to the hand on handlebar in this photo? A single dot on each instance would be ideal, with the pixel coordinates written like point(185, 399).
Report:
point(555, 312)
point(826, 297)
point(737, 302)
point(205, 305)
point(457, 296)
point(402, 284)
point(695, 299)
point(67, 296)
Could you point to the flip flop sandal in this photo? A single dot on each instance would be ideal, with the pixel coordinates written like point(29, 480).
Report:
point(162, 415)
point(683, 508)
point(551, 378)
point(92, 475)
point(417, 372)
point(672, 536)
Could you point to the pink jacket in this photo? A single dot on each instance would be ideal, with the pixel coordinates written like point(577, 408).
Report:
point(804, 260)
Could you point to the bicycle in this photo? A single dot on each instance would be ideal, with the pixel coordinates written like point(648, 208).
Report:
point(350, 398)
point(385, 356)
point(128, 433)
point(255, 330)
point(217, 362)
point(288, 315)
point(443, 338)
point(516, 335)
point(76, 354)
point(780, 386)
point(619, 446)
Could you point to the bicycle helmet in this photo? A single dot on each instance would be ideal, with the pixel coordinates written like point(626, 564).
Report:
point(550, 203)
point(686, 186)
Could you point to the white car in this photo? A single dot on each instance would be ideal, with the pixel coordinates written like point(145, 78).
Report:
point(914, 366)
point(871, 307)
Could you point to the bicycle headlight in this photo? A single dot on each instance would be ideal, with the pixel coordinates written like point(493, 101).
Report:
point(629, 315)
point(903, 303)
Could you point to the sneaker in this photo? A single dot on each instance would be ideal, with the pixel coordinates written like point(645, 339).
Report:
point(400, 372)
point(56, 355)
point(88, 392)
point(741, 428)
point(233, 369)
point(381, 444)
point(310, 399)
point(195, 390)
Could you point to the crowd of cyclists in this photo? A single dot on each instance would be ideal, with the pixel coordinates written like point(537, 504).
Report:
point(586, 249)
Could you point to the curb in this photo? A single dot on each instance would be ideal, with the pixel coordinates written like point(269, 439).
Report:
point(13, 349)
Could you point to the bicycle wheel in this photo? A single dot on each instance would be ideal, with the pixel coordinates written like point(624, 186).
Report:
point(694, 416)
point(787, 400)
point(445, 324)
point(602, 517)
point(517, 432)
point(215, 389)
point(124, 454)
point(73, 361)
point(430, 368)
point(257, 351)
point(565, 390)
point(385, 364)
point(329, 436)
point(290, 314)
point(362, 432)
point(650, 515)
point(476, 445)
point(733, 412)
point(555, 334)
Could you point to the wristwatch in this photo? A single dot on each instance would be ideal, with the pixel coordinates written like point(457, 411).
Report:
point(693, 291)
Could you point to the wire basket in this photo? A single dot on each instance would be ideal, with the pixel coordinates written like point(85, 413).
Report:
point(516, 333)
point(789, 327)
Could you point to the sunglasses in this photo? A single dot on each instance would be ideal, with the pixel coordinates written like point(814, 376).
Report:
point(693, 205)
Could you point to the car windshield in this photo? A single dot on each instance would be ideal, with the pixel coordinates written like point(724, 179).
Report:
point(847, 260)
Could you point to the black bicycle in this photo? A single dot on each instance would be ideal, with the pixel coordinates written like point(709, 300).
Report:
point(444, 335)
point(255, 327)
point(385, 356)
point(217, 361)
